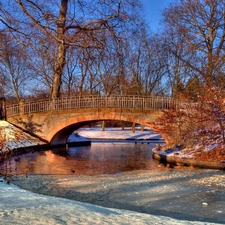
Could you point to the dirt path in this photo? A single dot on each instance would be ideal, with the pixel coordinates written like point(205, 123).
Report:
point(182, 194)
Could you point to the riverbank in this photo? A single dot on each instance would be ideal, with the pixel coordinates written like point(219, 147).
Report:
point(176, 157)
point(12, 138)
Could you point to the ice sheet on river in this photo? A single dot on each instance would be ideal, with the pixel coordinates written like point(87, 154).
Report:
point(18, 206)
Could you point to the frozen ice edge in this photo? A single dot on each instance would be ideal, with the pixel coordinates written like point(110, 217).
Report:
point(18, 206)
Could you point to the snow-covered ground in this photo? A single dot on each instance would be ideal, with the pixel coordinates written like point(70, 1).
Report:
point(113, 134)
point(11, 137)
point(18, 206)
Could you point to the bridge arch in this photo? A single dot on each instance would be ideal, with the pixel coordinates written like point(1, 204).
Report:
point(60, 133)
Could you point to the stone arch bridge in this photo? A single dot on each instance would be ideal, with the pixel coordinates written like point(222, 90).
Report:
point(54, 121)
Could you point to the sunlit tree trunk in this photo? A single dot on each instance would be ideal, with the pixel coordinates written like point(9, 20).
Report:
point(103, 125)
point(60, 61)
point(133, 127)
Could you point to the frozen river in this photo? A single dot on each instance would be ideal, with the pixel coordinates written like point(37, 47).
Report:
point(193, 195)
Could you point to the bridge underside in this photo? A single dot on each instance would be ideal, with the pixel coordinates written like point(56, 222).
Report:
point(64, 133)
point(56, 126)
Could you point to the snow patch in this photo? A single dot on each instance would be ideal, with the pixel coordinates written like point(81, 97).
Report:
point(210, 147)
point(113, 133)
point(11, 137)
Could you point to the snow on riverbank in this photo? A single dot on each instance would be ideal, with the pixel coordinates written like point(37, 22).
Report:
point(18, 206)
point(113, 134)
point(11, 137)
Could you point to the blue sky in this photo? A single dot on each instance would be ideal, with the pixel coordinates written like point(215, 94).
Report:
point(153, 10)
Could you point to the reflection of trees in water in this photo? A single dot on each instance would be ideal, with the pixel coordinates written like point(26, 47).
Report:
point(95, 159)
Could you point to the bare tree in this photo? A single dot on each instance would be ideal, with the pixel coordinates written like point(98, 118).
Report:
point(146, 64)
point(74, 23)
point(15, 68)
point(70, 77)
point(42, 64)
point(199, 27)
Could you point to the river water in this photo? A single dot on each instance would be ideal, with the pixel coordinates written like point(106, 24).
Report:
point(123, 175)
point(98, 158)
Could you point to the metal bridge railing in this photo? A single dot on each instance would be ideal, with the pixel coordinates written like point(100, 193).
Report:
point(79, 102)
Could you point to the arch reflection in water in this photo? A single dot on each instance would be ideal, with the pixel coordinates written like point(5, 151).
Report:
point(99, 158)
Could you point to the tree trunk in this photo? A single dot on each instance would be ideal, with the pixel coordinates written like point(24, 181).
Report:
point(133, 127)
point(123, 125)
point(60, 61)
point(57, 77)
point(103, 125)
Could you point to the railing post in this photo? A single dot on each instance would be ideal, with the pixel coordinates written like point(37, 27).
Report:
point(2, 109)
point(79, 105)
point(21, 107)
point(52, 104)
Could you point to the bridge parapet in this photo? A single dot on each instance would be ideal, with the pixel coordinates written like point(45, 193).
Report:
point(80, 102)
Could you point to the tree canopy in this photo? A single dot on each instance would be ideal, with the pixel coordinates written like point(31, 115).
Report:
point(65, 47)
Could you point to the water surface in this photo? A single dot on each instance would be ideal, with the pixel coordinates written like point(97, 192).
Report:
point(99, 158)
